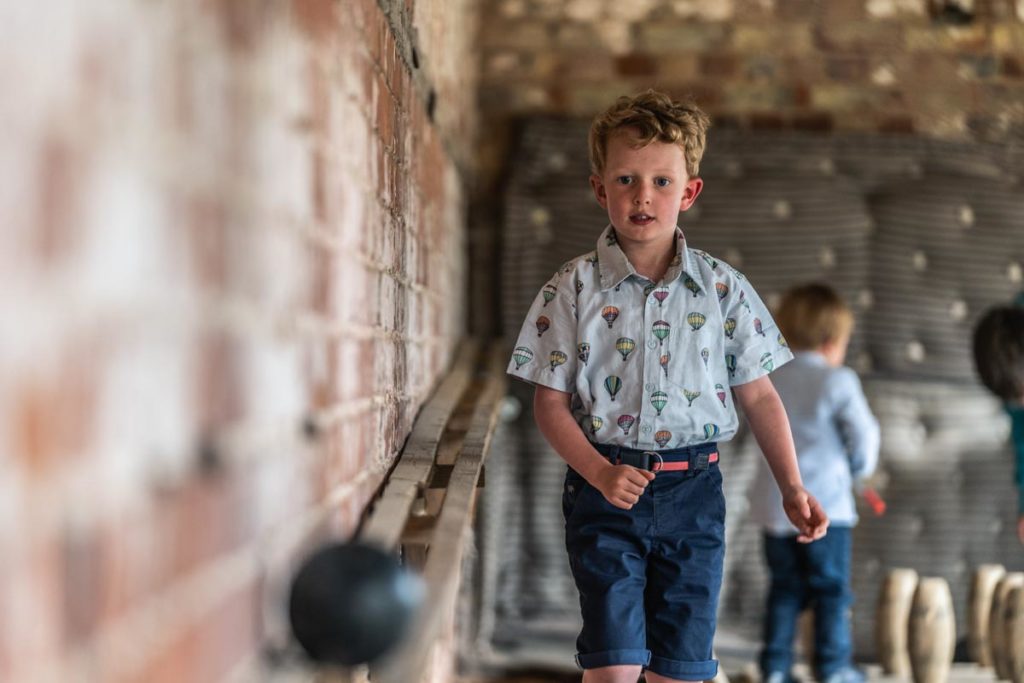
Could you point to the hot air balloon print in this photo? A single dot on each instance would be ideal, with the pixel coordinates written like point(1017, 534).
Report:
point(611, 239)
point(710, 431)
point(782, 341)
point(705, 354)
point(691, 285)
point(609, 313)
point(596, 423)
point(743, 300)
point(691, 396)
point(522, 355)
point(722, 289)
point(730, 327)
point(625, 422)
point(708, 259)
point(542, 325)
point(696, 321)
point(720, 393)
point(664, 360)
point(592, 258)
point(730, 363)
point(583, 352)
point(767, 362)
point(625, 346)
point(757, 326)
point(661, 293)
point(557, 358)
point(579, 285)
point(658, 400)
point(548, 293)
point(662, 437)
point(661, 330)
point(648, 288)
point(612, 384)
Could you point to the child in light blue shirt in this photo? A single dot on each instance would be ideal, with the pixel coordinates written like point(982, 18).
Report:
point(837, 442)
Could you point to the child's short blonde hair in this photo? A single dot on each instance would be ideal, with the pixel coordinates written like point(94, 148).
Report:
point(654, 116)
point(812, 315)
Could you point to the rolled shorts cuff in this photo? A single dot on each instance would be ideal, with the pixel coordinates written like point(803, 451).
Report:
point(595, 660)
point(685, 671)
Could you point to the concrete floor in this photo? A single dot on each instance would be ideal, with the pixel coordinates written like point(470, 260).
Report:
point(961, 673)
point(736, 653)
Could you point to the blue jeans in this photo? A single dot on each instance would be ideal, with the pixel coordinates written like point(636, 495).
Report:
point(649, 577)
point(814, 574)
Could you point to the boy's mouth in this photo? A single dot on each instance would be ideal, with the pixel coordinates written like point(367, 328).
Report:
point(641, 218)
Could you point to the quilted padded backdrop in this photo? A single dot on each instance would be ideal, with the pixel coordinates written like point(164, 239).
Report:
point(919, 236)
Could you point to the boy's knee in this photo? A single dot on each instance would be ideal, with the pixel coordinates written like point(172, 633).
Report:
point(622, 673)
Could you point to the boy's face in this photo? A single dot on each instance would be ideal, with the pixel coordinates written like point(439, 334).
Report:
point(644, 189)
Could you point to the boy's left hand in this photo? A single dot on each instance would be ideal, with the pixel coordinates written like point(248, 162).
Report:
point(805, 513)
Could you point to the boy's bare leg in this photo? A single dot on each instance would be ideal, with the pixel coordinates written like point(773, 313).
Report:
point(655, 678)
point(625, 673)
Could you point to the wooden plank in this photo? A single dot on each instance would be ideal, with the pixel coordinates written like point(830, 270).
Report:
point(448, 539)
point(412, 472)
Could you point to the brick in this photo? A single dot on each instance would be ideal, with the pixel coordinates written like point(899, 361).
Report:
point(718, 66)
point(847, 68)
point(1011, 66)
point(315, 17)
point(793, 38)
point(688, 36)
point(813, 121)
point(207, 650)
point(635, 65)
point(896, 124)
point(766, 121)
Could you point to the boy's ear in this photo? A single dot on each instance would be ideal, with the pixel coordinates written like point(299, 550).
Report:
point(693, 188)
point(599, 192)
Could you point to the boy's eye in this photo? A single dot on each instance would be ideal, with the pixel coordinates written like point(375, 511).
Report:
point(662, 182)
point(624, 180)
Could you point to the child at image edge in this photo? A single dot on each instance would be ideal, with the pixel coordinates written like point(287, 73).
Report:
point(998, 346)
point(837, 442)
point(633, 349)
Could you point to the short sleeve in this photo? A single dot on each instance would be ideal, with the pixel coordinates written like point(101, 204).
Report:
point(545, 350)
point(754, 347)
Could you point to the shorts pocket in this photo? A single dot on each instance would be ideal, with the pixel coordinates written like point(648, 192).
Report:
point(571, 491)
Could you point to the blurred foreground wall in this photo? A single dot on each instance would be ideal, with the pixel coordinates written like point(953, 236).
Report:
point(231, 270)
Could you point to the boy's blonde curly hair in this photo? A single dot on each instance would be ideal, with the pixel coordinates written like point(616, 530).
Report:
point(654, 116)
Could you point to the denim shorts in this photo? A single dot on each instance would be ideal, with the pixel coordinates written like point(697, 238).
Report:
point(649, 577)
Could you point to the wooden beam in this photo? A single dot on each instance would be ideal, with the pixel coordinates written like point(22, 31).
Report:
point(447, 543)
point(412, 473)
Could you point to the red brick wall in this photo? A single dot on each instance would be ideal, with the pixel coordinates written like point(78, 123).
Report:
point(232, 258)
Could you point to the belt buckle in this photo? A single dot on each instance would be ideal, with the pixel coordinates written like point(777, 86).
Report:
point(661, 461)
point(701, 461)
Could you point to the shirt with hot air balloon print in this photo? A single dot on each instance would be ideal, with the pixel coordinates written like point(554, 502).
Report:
point(649, 364)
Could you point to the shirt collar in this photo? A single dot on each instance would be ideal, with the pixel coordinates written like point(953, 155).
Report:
point(615, 267)
point(811, 356)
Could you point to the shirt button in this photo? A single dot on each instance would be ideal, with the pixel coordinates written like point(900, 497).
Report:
point(651, 344)
point(645, 429)
point(649, 387)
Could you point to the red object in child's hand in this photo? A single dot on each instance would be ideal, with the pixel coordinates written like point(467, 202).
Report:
point(874, 500)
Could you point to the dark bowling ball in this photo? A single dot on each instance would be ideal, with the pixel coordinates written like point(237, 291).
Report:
point(352, 602)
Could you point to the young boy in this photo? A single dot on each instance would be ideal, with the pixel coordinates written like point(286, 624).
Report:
point(631, 348)
point(837, 441)
point(999, 359)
